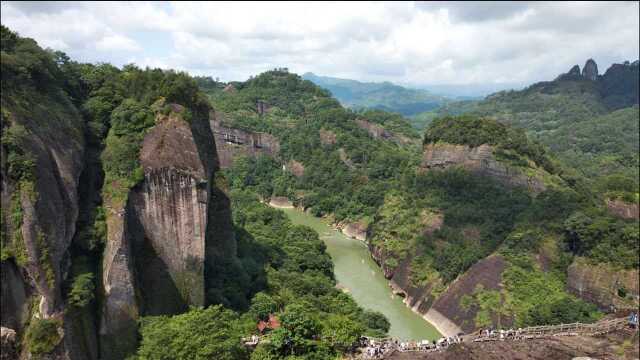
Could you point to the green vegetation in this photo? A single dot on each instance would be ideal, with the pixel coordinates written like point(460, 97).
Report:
point(42, 335)
point(82, 290)
point(211, 333)
point(298, 111)
point(591, 126)
point(289, 276)
point(475, 131)
point(534, 297)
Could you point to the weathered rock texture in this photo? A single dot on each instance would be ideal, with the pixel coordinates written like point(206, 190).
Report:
point(7, 344)
point(159, 242)
point(618, 345)
point(375, 130)
point(357, 230)
point(50, 209)
point(603, 285)
point(479, 160)
point(281, 202)
point(327, 137)
point(232, 142)
point(590, 70)
point(295, 167)
point(623, 209)
point(14, 306)
point(378, 131)
point(487, 273)
point(52, 136)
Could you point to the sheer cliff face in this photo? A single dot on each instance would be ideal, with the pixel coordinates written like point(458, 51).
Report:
point(232, 142)
point(479, 160)
point(604, 285)
point(159, 242)
point(39, 209)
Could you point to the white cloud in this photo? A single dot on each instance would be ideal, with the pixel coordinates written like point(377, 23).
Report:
point(117, 43)
point(405, 42)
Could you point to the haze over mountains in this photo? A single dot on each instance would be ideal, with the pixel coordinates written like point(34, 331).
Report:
point(392, 97)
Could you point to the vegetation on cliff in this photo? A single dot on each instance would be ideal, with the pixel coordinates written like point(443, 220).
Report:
point(298, 110)
point(291, 277)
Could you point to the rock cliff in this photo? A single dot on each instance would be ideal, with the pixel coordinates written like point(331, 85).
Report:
point(590, 70)
point(603, 285)
point(173, 222)
point(233, 142)
point(481, 160)
point(622, 209)
point(42, 152)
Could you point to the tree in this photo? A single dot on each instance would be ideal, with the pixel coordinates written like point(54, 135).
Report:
point(340, 332)
point(211, 333)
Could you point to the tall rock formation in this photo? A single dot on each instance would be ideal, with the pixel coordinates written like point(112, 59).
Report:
point(590, 70)
point(173, 222)
point(42, 152)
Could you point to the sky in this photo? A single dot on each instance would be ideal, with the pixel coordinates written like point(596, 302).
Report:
point(409, 43)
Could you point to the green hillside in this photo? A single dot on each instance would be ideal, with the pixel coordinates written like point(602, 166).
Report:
point(383, 96)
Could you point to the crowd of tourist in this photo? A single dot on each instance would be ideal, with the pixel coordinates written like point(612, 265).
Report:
point(376, 349)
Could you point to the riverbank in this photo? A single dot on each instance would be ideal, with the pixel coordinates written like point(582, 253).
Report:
point(356, 271)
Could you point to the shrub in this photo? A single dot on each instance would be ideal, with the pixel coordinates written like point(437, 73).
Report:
point(42, 335)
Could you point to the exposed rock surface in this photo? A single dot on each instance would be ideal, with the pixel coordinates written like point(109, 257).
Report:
point(623, 209)
point(573, 74)
point(158, 244)
point(487, 273)
point(590, 70)
point(233, 142)
point(443, 311)
point(327, 137)
point(50, 209)
point(603, 285)
point(281, 202)
point(479, 160)
point(14, 307)
point(295, 167)
point(608, 346)
point(7, 344)
point(262, 107)
point(357, 230)
point(230, 89)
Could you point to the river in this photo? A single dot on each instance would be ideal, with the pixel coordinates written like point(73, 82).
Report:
point(356, 271)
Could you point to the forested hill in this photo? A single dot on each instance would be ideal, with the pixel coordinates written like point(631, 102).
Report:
point(482, 193)
point(347, 160)
point(384, 96)
point(589, 120)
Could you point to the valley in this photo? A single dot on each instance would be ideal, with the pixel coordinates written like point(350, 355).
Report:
point(358, 275)
point(148, 213)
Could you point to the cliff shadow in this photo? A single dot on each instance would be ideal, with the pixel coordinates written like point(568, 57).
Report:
point(158, 293)
point(232, 281)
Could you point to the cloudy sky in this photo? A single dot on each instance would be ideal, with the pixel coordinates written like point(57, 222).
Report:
point(410, 43)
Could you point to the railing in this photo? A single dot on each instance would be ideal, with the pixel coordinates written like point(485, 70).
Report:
point(375, 348)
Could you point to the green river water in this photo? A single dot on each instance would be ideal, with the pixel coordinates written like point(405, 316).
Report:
point(355, 270)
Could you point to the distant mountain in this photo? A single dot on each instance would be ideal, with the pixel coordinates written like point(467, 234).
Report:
point(589, 119)
point(472, 91)
point(384, 96)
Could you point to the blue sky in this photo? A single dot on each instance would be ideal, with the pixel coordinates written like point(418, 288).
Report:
point(410, 43)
